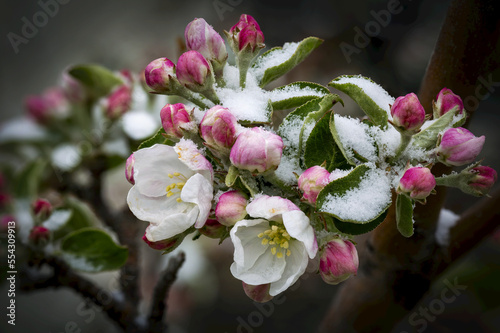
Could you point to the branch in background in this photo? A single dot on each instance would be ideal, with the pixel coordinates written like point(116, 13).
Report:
point(395, 272)
point(158, 304)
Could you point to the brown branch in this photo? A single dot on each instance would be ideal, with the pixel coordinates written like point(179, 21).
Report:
point(396, 272)
point(64, 276)
point(158, 304)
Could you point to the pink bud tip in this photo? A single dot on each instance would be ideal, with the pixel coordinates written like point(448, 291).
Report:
point(258, 293)
point(459, 146)
point(407, 113)
point(129, 169)
point(247, 33)
point(175, 119)
point(219, 128)
point(193, 70)
point(485, 178)
point(417, 182)
point(39, 235)
point(42, 208)
point(338, 261)
point(159, 73)
point(231, 208)
point(446, 101)
point(312, 181)
point(118, 102)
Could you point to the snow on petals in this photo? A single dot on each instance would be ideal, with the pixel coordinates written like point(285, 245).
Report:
point(173, 189)
point(275, 247)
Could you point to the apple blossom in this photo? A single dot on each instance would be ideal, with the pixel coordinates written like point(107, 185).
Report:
point(159, 75)
point(173, 189)
point(219, 129)
point(408, 115)
point(312, 181)
point(258, 293)
point(176, 120)
point(41, 208)
point(118, 102)
point(39, 235)
point(129, 169)
point(446, 101)
point(459, 146)
point(483, 180)
point(275, 246)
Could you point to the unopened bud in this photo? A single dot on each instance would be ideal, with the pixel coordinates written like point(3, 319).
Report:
point(458, 146)
point(447, 101)
point(417, 183)
point(167, 245)
point(483, 179)
point(213, 229)
point(312, 181)
point(129, 169)
point(39, 235)
point(118, 102)
point(408, 115)
point(246, 35)
point(160, 74)
point(42, 209)
point(176, 120)
point(338, 261)
point(231, 207)
point(194, 72)
point(219, 128)
point(258, 293)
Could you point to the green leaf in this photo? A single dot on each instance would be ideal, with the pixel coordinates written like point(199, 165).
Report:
point(158, 138)
point(268, 121)
point(321, 147)
point(371, 97)
point(81, 217)
point(231, 176)
point(336, 138)
point(359, 229)
point(427, 138)
point(404, 215)
point(98, 80)
point(271, 73)
point(341, 187)
point(28, 180)
point(280, 96)
point(93, 250)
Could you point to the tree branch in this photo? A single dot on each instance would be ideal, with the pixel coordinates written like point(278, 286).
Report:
point(158, 304)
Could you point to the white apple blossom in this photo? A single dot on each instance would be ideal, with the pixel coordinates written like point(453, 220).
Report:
point(173, 189)
point(273, 248)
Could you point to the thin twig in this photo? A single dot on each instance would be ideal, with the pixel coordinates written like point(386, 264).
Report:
point(158, 304)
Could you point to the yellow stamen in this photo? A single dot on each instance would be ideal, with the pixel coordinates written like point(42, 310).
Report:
point(260, 235)
point(265, 241)
point(178, 200)
point(279, 255)
point(288, 252)
point(276, 236)
point(273, 251)
point(169, 194)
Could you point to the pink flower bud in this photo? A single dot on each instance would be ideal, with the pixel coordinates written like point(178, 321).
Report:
point(129, 169)
point(175, 119)
point(258, 293)
point(458, 146)
point(338, 261)
point(118, 102)
point(52, 104)
point(41, 208)
point(167, 245)
point(446, 101)
point(231, 208)
point(213, 229)
point(201, 37)
point(257, 150)
point(7, 221)
point(407, 113)
point(159, 74)
point(194, 72)
point(417, 182)
point(218, 128)
point(39, 235)
point(484, 179)
point(312, 181)
point(247, 34)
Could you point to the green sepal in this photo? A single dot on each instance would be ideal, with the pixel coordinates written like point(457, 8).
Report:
point(427, 138)
point(93, 250)
point(359, 229)
point(158, 138)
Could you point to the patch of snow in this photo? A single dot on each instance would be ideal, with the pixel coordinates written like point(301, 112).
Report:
point(447, 220)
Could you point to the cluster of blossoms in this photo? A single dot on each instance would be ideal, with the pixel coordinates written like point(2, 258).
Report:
point(286, 193)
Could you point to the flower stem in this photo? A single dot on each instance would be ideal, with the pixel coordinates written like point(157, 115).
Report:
point(405, 141)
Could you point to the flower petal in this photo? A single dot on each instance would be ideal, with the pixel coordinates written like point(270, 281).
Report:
point(154, 209)
point(199, 191)
point(270, 208)
point(296, 265)
point(189, 154)
point(247, 244)
point(298, 226)
point(267, 269)
point(173, 225)
point(152, 166)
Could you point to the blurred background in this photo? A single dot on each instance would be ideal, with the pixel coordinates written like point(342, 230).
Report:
point(129, 34)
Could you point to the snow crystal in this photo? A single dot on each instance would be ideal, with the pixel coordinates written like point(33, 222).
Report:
point(293, 91)
point(139, 125)
point(364, 202)
point(290, 131)
point(447, 220)
point(372, 89)
point(388, 140)
point(81, 263)
point(354, 136)
point(285, 172)
point(275, 58)
point(338, 173)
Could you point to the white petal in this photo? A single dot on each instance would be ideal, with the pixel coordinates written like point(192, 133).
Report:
point(199, 191)
point(152, 166)
point(267, 269)
point(247, 245)
point(193, 159)
point(154, 209)
point(297, 225)
point(270, 208)
point(296, 265)
point(171, 226)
